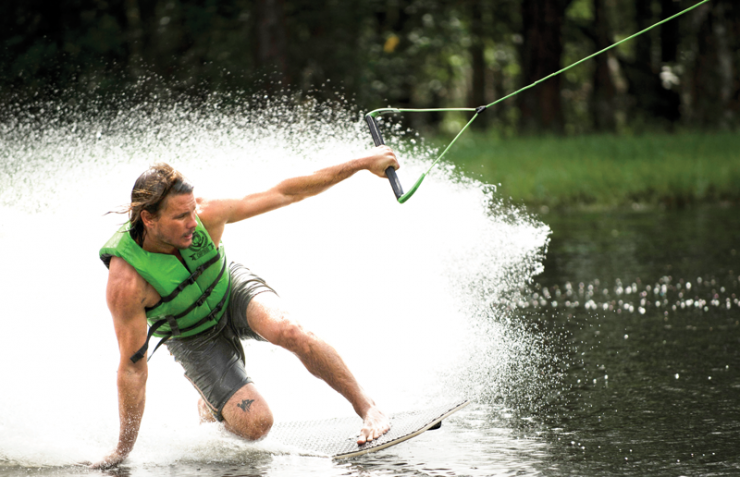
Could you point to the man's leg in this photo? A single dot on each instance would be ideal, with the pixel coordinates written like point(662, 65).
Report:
point(267, 318)
point(247, 414)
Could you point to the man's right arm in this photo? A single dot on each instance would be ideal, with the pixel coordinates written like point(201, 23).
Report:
point(215, 214)
point(126, 295)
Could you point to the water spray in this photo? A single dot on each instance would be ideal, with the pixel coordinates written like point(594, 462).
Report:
point(378, 138)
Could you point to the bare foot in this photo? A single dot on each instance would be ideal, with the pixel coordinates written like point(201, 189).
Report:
point(205, 412)
point(374, 425)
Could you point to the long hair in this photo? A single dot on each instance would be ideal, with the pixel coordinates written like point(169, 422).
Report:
point(149, 193)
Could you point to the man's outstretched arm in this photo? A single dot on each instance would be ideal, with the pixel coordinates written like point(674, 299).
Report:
point(216, 213)
point(125, 294)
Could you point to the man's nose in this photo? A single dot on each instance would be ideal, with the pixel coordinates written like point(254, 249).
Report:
point(192, 223)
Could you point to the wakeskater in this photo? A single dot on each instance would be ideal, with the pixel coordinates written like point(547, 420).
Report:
point(168, 271)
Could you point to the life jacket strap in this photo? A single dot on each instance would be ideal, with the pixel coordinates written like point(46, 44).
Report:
point(199, 302)
point(158, 324)
point(142, 351)
point(172, 321)
point(188, 281)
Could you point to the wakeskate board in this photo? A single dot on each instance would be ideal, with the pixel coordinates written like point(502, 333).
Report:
point(337, 438)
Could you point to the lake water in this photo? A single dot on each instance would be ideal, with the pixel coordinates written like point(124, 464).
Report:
point(588, 343)
point(653, 381)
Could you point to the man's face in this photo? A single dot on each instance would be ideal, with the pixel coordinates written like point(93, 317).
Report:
point(176, 222)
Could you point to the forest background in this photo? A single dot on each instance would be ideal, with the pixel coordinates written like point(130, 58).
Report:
point(677, 81)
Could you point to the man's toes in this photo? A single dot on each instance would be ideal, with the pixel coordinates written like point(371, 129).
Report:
point(366, 435)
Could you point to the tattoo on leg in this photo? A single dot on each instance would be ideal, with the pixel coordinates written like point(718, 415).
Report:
point(245, 405)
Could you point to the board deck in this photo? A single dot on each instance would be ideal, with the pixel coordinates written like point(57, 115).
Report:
point(337, 438)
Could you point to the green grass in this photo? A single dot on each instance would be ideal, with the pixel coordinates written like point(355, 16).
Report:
point(605, 170)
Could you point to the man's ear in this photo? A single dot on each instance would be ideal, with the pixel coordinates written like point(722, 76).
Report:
point(147, 218)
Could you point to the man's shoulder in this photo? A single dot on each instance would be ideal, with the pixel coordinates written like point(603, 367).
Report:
point(127, 290)
point(124, 281)
point(209, 210)
point(213, 215)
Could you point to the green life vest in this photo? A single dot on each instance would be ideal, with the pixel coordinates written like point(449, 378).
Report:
point(194, 296)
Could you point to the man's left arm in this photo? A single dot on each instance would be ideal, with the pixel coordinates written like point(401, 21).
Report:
point(216, 213)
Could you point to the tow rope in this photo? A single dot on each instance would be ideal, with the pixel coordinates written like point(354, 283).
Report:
point(378, 138)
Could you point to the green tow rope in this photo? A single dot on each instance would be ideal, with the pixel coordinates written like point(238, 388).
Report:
point(372, 114)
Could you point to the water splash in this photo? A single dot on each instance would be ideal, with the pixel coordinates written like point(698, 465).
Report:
point(419, 299)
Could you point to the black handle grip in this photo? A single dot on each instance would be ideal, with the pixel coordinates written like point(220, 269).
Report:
point(390, 172)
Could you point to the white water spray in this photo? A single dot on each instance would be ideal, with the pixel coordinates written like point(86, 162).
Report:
point(404, 292)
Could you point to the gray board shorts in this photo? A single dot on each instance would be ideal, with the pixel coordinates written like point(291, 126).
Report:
point(214, 359)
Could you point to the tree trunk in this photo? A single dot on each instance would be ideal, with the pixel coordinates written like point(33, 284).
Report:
point(644, 43)
point(602, 98)
point(713, 77)
point(732, 13)
point(669, 32)
point(541, 52)
point(134, 38)
point(477, 53)
point(271, 46)
point(653, 101)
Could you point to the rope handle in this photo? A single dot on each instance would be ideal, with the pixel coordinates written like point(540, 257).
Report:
point(390, 172)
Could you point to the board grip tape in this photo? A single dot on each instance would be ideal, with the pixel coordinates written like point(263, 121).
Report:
point(390, 172)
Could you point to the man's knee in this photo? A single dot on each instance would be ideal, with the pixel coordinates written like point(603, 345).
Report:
point(254, 429)
point(293, 337)
point(247, 414)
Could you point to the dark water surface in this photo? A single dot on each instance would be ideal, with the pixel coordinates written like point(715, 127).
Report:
point(653, 389)
point(641, 313)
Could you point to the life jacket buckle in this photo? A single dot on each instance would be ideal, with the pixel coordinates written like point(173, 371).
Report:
point(174, 327)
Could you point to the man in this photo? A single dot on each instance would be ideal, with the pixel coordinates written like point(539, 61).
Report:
point(167, 269)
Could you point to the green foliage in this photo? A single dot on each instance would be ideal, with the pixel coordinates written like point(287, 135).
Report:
point(605, 170)
point(375, 53)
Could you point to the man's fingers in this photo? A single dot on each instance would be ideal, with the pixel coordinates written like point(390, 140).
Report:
point(384, 157)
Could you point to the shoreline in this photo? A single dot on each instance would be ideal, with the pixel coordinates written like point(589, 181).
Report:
point(605, 172)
